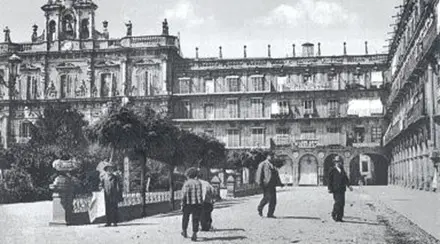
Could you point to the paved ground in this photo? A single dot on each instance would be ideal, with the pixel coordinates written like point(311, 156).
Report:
point(303, 217)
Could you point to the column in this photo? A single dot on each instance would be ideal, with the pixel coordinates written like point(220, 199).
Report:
point(425, 172)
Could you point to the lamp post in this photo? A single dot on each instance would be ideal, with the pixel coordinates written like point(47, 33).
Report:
point(13, 65)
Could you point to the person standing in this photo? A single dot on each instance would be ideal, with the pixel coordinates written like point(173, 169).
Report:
point(337, 184)
point(208, 205)
point(191, 202)
point(268, 179)
point(111, 184)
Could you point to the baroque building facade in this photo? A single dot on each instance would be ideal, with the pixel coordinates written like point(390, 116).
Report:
point(308, 107)
point(412, 108)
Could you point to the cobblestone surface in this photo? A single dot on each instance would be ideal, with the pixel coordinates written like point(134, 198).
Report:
point(303, 216)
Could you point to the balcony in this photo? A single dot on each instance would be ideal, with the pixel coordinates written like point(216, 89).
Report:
point(418, 49)
point(306, 143)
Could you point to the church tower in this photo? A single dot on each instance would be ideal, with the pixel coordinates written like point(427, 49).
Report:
point(69, 19)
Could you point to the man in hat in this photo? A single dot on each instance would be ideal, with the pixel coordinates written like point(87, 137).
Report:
point(337, 184)
point(268, 178)
point(192, 201)
point(111, 184)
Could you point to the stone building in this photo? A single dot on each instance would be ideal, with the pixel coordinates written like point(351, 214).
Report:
point(412, 110)
point(308, 108)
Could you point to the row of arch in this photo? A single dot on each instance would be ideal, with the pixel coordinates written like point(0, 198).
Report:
point(307, 170)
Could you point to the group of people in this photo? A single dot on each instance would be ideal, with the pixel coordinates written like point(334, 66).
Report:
point(198, 194)
point(268, 178)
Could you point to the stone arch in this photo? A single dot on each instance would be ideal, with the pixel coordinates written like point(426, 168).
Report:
point(52, 30)
point(372, 170)
point(85, 29)
point(308, 170)
point(328, 163)
point(288, 172)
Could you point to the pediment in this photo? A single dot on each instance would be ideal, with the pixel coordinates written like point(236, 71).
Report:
point(145, 62)
point(65, 65)
point(106, 63)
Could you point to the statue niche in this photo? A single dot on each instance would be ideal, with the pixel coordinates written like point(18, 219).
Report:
point(68, 26)
point(52, 30)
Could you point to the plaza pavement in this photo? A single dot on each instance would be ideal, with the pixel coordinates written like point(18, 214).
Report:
point(303, 217)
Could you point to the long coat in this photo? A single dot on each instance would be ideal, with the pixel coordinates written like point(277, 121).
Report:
point(337, 181)
point(267, 175)
point(112, 187)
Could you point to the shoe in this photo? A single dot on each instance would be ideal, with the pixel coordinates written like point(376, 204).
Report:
point(260, 212)
point(194, 237)
point(271, 216)
point(184, 234)
point(339, 220)
point(107, 225)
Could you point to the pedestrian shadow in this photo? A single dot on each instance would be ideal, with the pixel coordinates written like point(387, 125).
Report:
point(298, 217)
point(233, 229)
point(361, 222)
point(222, 238)
point(127, 224)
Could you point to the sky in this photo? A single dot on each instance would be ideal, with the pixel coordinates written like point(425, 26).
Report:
point(208, 24)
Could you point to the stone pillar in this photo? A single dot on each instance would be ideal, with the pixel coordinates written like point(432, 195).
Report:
point(230, 186)
point(62, 196)
point(215, 182)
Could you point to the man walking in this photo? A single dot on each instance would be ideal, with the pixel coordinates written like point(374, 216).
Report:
point(111, 184)
point(337, 184)
point(268, 178)
point(191, 202)
point(208, 204)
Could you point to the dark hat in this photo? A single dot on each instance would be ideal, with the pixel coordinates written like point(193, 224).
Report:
point(269, 153)
point(337, 158)
point(191, 173)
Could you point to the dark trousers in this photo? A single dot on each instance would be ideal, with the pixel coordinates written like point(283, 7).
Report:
point(338, 206)
point(269, 196)
point(111, 211)
point(205, 216)
point(194, 210)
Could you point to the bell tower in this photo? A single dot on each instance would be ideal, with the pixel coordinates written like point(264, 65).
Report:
point(69, 19)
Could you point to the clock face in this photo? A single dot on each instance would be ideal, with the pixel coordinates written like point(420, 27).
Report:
point(67, 46)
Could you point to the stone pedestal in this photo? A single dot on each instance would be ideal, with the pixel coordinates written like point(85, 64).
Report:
point(215, 182)
point(62, 203)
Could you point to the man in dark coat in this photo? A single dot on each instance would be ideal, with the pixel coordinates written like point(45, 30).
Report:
point(337, 184)
point(268, 178)
point(111, 184)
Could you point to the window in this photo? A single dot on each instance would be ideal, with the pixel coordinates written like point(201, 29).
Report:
point(308, 134)
point(186, 107)
point(185, 84)
point(257, 83)
point(106, 81)
point(364, 162)
point(256, 107)
point(233, 138)
point(282, 136)
point(31, 88)
point(209, 86)
point(376, 134)
point(284, 107)
point(258, 137)
point(25, 129)
point(309, 106)
point(376, 78)
point(333, 107)
point(209, 111)
point(233, 84)
point(281, 83)
point(333, 129)
point(233, 108)
point(364, 166)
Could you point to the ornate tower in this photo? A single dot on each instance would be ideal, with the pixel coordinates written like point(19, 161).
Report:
point(69, 19)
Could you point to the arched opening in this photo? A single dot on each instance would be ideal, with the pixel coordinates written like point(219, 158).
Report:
point(369, 169)
point(68, 26)
point(308, 170)
point(52, 30)
point(287, 174)
point(106, 80)
point(85, 33)
point(328, 163)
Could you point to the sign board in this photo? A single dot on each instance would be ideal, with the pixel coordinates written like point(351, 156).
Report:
point(97, 206)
